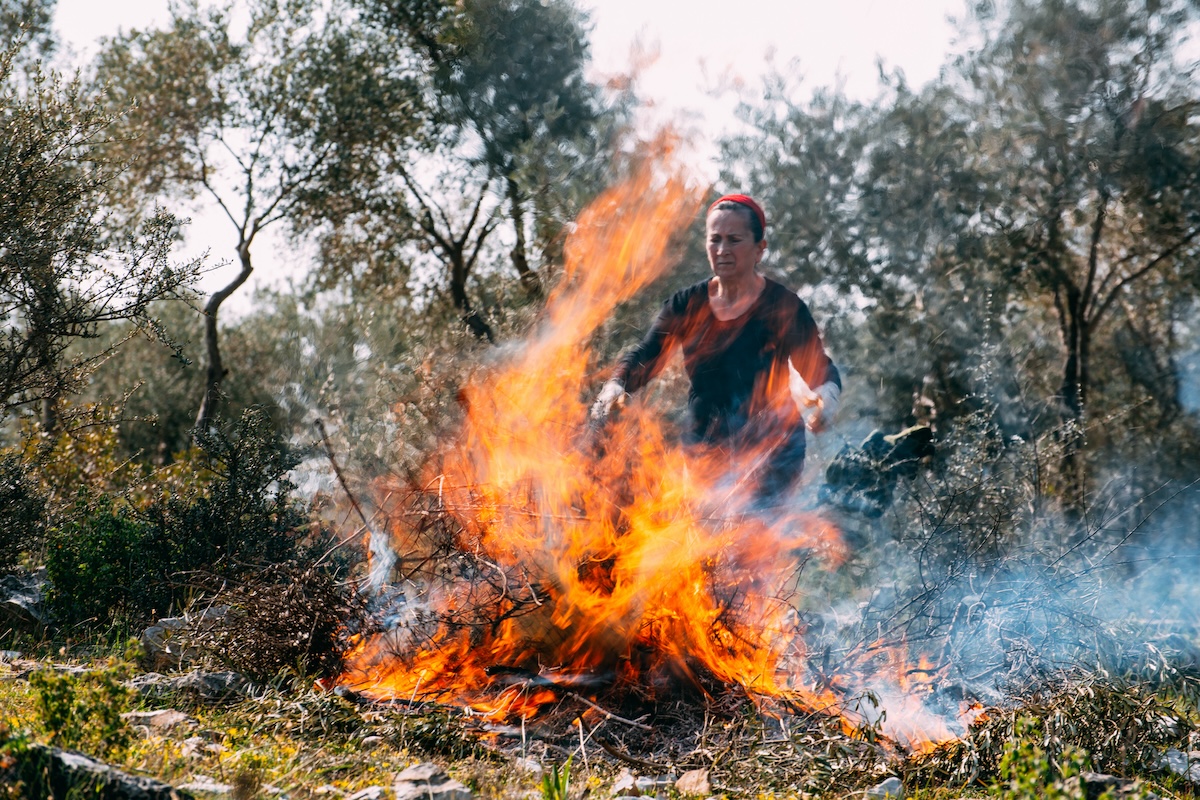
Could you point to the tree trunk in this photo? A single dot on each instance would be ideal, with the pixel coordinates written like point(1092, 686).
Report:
point(1073, 395)
point(50, 414)
point(215, 371)
point(458, 294)
point(529, 278)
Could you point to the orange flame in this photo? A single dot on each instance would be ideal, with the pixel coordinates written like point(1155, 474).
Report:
point(599, 566)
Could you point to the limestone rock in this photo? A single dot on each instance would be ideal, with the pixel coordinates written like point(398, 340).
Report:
point(647, 784)
point(206, 687)
point(428, 782)
point(1184, 764)
point(159, 722)
point(1093, 785)
point(167, 642)
point(528, 766)
point(206, 785)
point(198, 747)
point(694, 782)
point(68, 774)
point(369, 793)
point(22, 602)
point(890, 789)
point(625, 784)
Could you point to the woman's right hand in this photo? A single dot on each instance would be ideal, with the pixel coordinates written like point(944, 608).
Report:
point(612, 395)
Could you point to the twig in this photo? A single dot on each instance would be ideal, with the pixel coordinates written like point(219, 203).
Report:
point(337, 470)
point(608, 714)
point(628, 759)
point(583, 743)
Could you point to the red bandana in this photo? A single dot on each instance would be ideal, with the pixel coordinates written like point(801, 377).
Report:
point(747, 201)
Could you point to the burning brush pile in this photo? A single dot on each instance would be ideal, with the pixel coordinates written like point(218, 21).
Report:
point(554, 562)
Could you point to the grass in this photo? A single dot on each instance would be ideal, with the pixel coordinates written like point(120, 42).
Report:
point(303, 742)
point(293, 738)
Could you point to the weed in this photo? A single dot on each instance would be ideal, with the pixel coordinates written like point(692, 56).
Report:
point(248, 780)
point(83, 711)
point(557, 782)
point(289, 619)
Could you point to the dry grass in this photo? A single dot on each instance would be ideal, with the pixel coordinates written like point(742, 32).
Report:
point(310, 743)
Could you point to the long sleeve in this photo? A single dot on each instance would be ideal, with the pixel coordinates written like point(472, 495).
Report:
point(807, 351)
point(639, 365)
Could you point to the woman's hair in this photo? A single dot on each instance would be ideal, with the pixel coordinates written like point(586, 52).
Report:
point(755, 217)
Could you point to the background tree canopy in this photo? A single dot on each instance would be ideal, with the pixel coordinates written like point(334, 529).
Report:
point(1021, 233)
point(1018, 237)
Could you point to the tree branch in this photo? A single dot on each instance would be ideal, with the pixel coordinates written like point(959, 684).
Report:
point(1138, 273)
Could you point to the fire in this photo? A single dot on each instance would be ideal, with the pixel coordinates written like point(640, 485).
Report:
point(591, 559)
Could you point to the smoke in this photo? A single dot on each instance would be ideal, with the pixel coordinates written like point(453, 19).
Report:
point(979, 569)
point(545, 555)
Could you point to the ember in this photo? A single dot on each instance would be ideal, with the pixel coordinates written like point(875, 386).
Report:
point(582, 566)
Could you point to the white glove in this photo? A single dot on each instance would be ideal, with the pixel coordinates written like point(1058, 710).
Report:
point(828, 398)
point(613, 394)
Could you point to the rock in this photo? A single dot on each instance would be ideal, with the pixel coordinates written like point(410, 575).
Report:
point(206, 785)
point(423, 773)
point(890, 789)
point(369, 793)
point(68, 774)
point(22, 602)
point(159, 641)
point(167, 642)
point(198, 747)
point(1186, 765)
point(206, 687)
point(1096, 783)
point(652, 785)
point(625, 785)
point(193, 747)
point(428, 782)
point(1168, 725)
point(1093, 785)
point(159, 722)
point(329, 788)
point(694, 782)
point(528, 766)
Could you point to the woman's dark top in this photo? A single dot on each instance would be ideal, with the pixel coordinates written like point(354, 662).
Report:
point(738, 368)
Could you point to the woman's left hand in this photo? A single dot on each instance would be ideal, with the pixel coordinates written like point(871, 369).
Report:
point(824, 409)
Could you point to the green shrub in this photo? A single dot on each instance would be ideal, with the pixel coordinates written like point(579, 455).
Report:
point(1027, 772)
point(556, 784)
point(127, 563)
point(247, 519)
point(103, 566)
point(83, 711)
point(22, 509)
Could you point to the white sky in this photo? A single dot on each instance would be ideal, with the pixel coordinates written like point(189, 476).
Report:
point(700, 44)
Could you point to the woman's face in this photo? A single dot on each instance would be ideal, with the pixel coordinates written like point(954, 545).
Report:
point(732, 251)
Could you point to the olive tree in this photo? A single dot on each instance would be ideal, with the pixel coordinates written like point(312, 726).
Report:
point(1044, 192)
point(254, 120)
point(514, 125)
point(63, 273)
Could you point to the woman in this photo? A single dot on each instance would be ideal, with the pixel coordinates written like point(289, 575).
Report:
point(739, 332)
